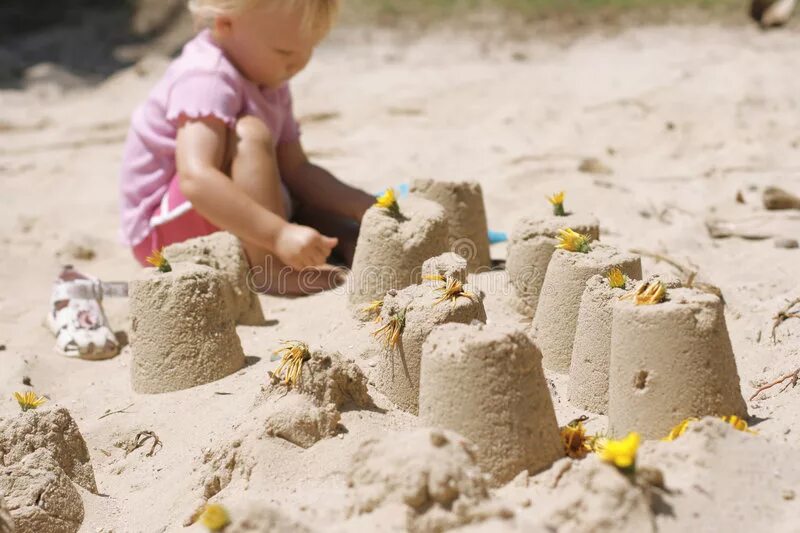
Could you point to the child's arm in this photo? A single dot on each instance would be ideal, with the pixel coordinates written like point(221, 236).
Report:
point(200, 155)
point(317, 187)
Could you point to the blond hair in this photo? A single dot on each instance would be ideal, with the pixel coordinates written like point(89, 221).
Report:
point(318, 15)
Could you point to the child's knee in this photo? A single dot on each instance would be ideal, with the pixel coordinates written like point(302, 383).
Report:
point(252, 130)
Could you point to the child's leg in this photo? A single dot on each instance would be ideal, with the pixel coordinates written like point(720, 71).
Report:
point(254, 168)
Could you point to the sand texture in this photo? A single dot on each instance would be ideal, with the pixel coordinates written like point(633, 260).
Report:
point(6, 522)
point(447, 265)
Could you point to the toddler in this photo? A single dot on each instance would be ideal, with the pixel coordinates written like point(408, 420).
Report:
point(216, 147)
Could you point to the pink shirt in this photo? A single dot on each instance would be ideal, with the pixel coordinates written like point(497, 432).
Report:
point(202, 82)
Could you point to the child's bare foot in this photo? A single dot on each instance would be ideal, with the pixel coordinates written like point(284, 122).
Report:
point(285, 281)
point(76, 316)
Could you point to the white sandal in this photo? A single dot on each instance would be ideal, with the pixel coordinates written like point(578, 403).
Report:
point(77, 318)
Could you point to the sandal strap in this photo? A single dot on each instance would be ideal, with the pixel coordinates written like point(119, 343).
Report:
point(87, 289)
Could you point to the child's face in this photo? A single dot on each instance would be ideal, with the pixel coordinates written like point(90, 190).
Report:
point(268, 45)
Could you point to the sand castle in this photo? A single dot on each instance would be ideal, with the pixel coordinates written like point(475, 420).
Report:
point(392, 245)
point(223, 252)
point(554, 324)
point(487, 384)
point(671, 361)
point(530, 248)
point(183, 330)
point(40, 496)
point(407, 318)
point(466, 216)
point(42, 453)
point(308, 411)
point(431, 472)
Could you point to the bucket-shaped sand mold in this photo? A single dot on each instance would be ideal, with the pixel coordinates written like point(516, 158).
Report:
point(671, 361)
point(183, 331)
point(466, 216)
point(591, 351)
point(224, 252)
point(553, 328)
point(530, 248)
point(391, 248)
point(397, 372)
point(487, 384)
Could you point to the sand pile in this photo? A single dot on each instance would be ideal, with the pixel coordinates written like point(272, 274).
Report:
point(433, 474)
point(392, 246)
point(53, 430)
point(717, 475)
point(40, 496)
point(6, 522)
point(412, 313)
point(487, 384)
point(447, 265)
point(183, 331)
point(671, 361)
point(555, 322)
point(591, 350)
point(466, 218)
point(530, 248)
point(223, 251)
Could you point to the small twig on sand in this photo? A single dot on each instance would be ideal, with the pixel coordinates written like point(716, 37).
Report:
point(141, 438)
point(785, 314)
point(791, 376)
point(123, 410)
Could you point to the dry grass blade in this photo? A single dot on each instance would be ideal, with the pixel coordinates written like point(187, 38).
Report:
point(785, 314)
point(791, 376)
point(392, 330)
point(293, 355)
point(453, 290)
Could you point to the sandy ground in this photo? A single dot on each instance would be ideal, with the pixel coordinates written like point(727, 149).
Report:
point(684, 118)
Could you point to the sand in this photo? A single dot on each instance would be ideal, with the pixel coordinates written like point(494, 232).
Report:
point(692, 116)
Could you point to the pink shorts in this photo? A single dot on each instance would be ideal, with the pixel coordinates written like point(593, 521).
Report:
point(175, 220)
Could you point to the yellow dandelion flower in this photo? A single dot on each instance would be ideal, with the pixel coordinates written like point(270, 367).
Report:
point(621, 453)
point(392, 330)
point(616, 279)
point(680, 429)
point(215, 517)
point(650, 293)
point(557, 201)
point(293, 355)
point(577, 444)
point(453, 290)
point(572, 241)
point(373, 309)
point(737, 423)
point(158, 260)
point(388, 201)
point(29, 400)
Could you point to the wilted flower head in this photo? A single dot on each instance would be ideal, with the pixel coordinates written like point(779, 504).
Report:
point(577, 444)
point(392, 330)
point(650, 293)
point(293, 355)
point(572, 241)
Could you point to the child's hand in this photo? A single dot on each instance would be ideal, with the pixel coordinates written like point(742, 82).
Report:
point(300, 246)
